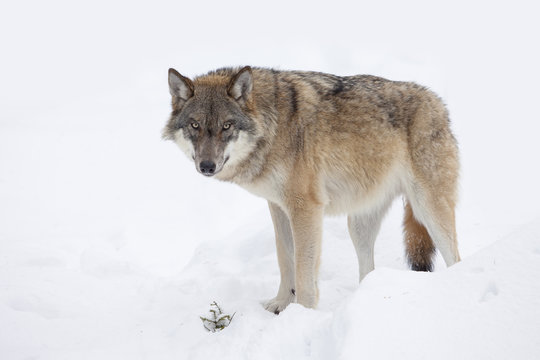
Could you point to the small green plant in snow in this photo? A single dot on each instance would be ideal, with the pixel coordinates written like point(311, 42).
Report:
point(217, 321)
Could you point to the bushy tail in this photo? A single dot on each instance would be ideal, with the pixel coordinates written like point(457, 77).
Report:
point(418, 244)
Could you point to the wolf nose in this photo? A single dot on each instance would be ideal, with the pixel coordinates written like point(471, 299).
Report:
point(207, 167)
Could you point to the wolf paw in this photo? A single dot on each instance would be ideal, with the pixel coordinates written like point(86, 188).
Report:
point(277, 305)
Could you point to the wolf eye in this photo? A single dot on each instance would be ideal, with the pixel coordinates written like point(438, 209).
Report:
point(226, 126)
point(195, 125)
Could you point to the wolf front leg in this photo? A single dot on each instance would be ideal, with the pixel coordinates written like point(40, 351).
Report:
point(285, 253)
point(306, 224)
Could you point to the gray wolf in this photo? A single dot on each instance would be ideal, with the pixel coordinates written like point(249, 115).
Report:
point(314, 144)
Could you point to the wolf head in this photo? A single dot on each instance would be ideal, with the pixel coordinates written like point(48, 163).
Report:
point(212, 118)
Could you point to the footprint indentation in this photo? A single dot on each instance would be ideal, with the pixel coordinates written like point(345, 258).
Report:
point(490, 292)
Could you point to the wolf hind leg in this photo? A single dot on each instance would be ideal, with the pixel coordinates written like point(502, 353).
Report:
point(285, 253)
point(363, 229)
point(438, 217)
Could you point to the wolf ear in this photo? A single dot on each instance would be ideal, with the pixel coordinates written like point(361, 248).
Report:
point(241, 85)
point(180, 86)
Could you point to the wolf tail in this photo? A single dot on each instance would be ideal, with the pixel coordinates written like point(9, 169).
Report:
point(419, 246)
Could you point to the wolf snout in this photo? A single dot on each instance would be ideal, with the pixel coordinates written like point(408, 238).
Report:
point(207, 168)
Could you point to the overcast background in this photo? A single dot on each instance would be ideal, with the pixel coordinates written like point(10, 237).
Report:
point(85, 176)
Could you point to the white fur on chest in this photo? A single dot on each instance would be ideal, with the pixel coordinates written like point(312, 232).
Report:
point(269, 188)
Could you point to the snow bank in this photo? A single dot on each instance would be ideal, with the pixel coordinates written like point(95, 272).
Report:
point(104, 307)
point(485, 307)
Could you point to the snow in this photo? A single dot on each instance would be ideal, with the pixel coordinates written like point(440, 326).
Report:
point(112, 245)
